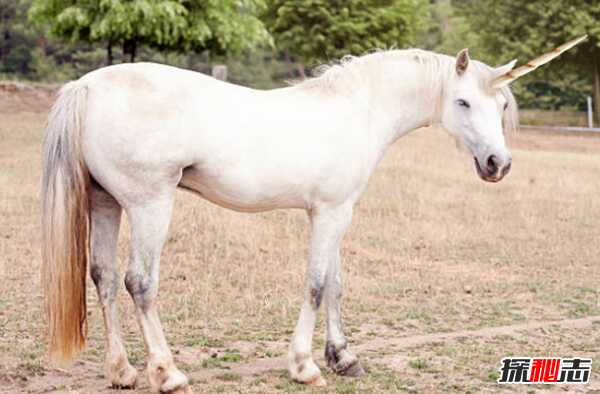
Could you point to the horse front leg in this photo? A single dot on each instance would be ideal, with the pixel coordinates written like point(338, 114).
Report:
point(328, 227)
point(338, 357)
point(149, 226)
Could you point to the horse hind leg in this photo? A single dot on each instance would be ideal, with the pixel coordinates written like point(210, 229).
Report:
point(105, 222)
point(149, 226)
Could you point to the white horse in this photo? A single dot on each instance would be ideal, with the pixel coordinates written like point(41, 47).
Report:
point(126, 137)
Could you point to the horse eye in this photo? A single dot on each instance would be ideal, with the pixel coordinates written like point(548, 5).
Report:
point(463, 103)
point(505, 106)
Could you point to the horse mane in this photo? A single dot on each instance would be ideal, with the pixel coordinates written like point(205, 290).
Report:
point(346, 74)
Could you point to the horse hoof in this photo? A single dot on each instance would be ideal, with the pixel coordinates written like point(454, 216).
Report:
point(317, 381)
point(179, 390)
point(303, 369)
point(342, 362)
point(126, 380)
point(116, 386)
point(354, 370)
point(168, 381)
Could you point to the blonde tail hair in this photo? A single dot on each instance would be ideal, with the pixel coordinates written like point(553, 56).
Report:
point(65, 225)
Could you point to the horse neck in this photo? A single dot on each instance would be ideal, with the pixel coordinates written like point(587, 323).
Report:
point(403, 98)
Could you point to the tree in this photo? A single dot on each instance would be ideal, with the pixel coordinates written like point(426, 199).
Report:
point(182, 25)
point(511, 29)
point(15, 39)
point(319, 31)
point(450, 32)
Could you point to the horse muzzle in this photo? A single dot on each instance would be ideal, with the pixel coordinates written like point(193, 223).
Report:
point(494, 168)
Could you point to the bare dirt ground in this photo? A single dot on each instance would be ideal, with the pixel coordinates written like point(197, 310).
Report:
point(444, 274)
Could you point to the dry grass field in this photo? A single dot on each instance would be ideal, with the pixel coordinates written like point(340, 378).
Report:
point(444, 274)
point(554, 118)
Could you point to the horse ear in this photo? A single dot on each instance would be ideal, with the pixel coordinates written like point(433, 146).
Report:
point(462, 61)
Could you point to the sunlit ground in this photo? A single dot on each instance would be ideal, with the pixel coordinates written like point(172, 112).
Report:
point(444, 274)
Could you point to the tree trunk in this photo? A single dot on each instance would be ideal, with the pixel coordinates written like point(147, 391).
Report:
point(43, 44)
point(133, 50)
point(597, 89)
point(130, 48)
point(301, 70)
point(297, 68)
point(109, 53)
point(125, 49)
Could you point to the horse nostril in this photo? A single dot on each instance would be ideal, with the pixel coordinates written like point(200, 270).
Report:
point(492, 164)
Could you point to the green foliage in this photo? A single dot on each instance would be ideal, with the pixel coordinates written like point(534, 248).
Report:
point(567, 91)
point(322, 30)
point(16, 39)
point(197, 33)
point(451, 32)
point(262, 68)
point(509, 29)
point(181, 25)
point(26, 51)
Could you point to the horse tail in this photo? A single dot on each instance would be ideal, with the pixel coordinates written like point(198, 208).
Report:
point(65, 224)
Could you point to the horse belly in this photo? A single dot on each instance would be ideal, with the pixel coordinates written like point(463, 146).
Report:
point(234, 191)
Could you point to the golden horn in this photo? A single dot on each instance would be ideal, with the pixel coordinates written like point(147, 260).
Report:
point(510, 76)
